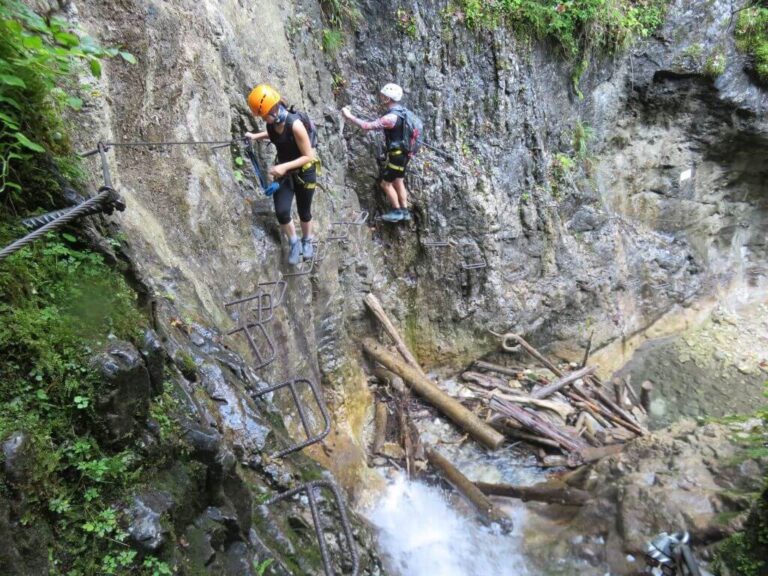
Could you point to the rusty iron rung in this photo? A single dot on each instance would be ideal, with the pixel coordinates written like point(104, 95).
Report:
point(311, 439)
point(263, 360)
point(474, 265)
point(309, 488)
point(362, 218)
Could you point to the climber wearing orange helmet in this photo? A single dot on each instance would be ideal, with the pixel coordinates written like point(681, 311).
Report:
point(393, 176)
point(296, 169)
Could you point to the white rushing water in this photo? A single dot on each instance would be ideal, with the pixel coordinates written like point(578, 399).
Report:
point(421, 534)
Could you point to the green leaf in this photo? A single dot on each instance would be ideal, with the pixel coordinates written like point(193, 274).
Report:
point(128, 57)
point(11, 80)
point(111, 52)
point(69, 238)
point(32, 42)
point(66, 39)
point(74, 102)
point(27, 143)
point(11, 102)
point(9, 122)
point(238, 160)
point(95, 64)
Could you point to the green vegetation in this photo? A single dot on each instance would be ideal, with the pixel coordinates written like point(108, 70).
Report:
point(59, 303)
point(406, 22)
point(714, 66)
point(333, 40)
point(746, 553)
point(338, 13)
point(577, 26)
point(37, 57)
point(752, 37)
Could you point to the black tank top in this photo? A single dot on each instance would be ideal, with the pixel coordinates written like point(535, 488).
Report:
point(287, 148)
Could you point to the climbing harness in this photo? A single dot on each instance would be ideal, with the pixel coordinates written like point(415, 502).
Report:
point(310, 489)
point(670, 555)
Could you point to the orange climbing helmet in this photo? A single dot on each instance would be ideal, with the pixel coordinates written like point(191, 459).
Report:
point(262, 99)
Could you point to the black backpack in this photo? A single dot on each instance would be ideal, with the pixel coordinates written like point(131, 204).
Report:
point(413, 129)
point(308, 124)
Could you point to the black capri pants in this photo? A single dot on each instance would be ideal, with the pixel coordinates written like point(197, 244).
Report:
point(301, 184)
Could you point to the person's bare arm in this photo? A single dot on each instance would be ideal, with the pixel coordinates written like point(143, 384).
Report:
point(305, 147)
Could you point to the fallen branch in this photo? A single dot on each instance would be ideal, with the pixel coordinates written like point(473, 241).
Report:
point(471, 492)
point(381, 418)
point(562, 382)
point(480, 365)
point(549, 492)
point(538, 425)
point(375, 306)
point(478, 429)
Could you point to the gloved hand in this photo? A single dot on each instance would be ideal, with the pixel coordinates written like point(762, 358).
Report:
point(271, 189)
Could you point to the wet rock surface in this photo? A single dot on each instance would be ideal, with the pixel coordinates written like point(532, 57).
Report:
point(123, 399)
point(689, 477)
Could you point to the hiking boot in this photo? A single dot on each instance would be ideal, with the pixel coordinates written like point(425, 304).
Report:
point(406, 214)
point(393, 216)
point(307, 248)
point(294, 253)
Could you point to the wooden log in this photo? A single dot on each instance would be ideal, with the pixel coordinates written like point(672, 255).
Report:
point(619, 411)
point(538, 425)
point(532, 438)
point(588, 350)
point(562, 382)
point(634, 398)
point(646, 392)
point(389, 378)
point(382, 415)
point(489, 382)
point(375, 306)
point(549, 492)
point(478, 429)
point(405, 435)
point(466, 487)
point(592, 454)
point(596, 408)
point(488, 366)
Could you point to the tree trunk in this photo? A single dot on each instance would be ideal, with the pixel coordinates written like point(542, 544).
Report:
point(478, 429)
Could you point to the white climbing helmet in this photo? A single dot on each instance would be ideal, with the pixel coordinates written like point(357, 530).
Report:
point(393, 92)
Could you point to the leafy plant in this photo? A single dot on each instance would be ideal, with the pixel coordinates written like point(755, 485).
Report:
point(37, 58)
point(333, 40)
point(406, 22)
point(582, 134)
point(261, 568)
point(752, 37)
point(577, 26)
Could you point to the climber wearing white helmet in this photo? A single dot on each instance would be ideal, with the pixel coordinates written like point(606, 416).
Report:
point(393, 176)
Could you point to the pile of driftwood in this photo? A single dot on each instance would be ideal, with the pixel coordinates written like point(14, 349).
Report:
point(572, 418)
point(571, 414)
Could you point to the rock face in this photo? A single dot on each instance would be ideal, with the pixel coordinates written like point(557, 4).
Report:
point(125, 390)
point(669, 207)
point(689, 477)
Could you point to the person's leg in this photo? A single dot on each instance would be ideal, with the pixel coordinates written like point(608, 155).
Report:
point(305, 191)
point(402, 193)
point(391, 194)
point(283, 200)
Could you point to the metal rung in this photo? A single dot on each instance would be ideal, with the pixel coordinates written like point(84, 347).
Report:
point(262, 359)
point(482, 263)
point(356, 218)
point(474, 265)
point(309, 489)
point(436, 243)
point(268, 301)
point(311, 439)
